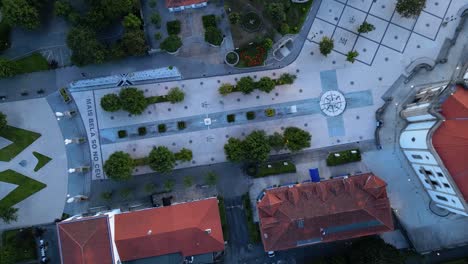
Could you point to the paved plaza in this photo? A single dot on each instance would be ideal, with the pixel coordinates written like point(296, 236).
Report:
point(47, 204)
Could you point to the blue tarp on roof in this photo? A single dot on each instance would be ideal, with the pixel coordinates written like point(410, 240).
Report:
point(314, 175)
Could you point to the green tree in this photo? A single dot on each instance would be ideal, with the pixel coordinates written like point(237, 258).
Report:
point(286, 78)
point(213, 36)
point(276, 141)
point(119, 166)
point(131, 22)
point(410, 8)
point(62, 8)
point(188, 181)
point(246, 85)
point(326, 46)
point(85, 46)
point(266, 84)
point(225, 89)
point(234, 150)
point(365, 27)
point(374, 250)
point(111, 103)
point(8, 68)
point(351, 56)
point(256, 147)
point(234, 18)
point(267, 43)
point(211, 178)
point(184, 155)
point(296, 138)
point(133, 100)
point(161, 159)
point(276, 11)
point(171, 43)
point(8, 214)
point(169, 185)
point(103, 13)
point(133, 43)
point(21, 13)
point(175, 95)
point(3, 120)
point(150, 187)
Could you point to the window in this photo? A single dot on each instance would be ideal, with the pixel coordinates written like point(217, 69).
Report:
point(440, 174)
point(300, 223)
point(441, 198)
point(446, 185)
point(427, 172)
point(416, 156)
point(435, 183)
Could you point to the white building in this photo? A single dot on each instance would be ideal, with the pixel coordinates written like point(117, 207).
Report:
point(179, 5)
point(435, 142)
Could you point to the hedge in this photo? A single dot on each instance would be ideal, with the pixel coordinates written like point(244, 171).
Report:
point(344, 157)
point(277, 167)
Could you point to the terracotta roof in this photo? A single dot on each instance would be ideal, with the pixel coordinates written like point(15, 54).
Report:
point(177, 3)
point(331, 210)
point(85, 241)
point(189, 229)
point(450, 140)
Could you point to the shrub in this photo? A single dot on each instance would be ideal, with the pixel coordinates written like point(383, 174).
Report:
point(274, 168)
point(326, 46)
point(226, 88)
point(284, 29)
point(231, 57)
point(366, 27)
point(246, 85)
point(266, 84)
point(211, 178)
point(231, 118)
point(410, 8)
point(175, 95)
point(267, 43)
point(142, 131)
point(162, 128)
point(156, 19)
point(234, 18)
point(351, 56)
point(286, 78)
point(209, 21)
point(343, 157)
point(171, 43)
point(173, 27)
point(250, 115)
point(111, 103)
point(181, 125)
point(157, 36)
point(184, 155)
point(213, 36)
point(131, 22)
point(122, 133)
point(269, 112)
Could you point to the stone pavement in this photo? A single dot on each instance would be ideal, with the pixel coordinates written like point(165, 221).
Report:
point(47, 204)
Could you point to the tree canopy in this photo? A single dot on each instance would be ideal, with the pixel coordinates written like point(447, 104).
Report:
point(213, 36)
point(133, 100)
point(86, 48)
point(8, 68)
point(175, 95)
point(266, 84)
point(246, 85)
point(276, 141)
point(161, 159)
point(131, 22)
point(111, 103)
point(22, 13)
point(410, 8)
point(256, 147)
point(326, 46)
point(234, 150)
point(184, 155)
point(171, 43)
point(119, 166)
point(296, 138)
point(133, 43)
point(276, 11)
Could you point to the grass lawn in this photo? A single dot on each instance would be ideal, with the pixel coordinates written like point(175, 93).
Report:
point(32, 63)
point(42, 160)
point(252, 227)
point(22, 241)
point(222, 215)
point(296, 15)
point(26, 187)
point(21, 139)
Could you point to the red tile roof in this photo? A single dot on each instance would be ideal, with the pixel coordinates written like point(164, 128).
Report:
point(177, 3)
point(85, 241)
point(450, 140)
point(323, 212)
point(189, 229)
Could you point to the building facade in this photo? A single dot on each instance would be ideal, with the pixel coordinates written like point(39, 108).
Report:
point(435, 143)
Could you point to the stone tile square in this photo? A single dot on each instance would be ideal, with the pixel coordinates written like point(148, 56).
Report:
point(407, 23)
point(352, 19)
point(344, 40)
point(330, 11)
point(366, 49)
point(437, 7)
point(396, 37)
point(427, 25)
point(363, 5)
point(380, 27)
point(320, 29)
point(383, 9)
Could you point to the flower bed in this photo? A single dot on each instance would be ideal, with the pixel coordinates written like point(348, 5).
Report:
point(254, 55)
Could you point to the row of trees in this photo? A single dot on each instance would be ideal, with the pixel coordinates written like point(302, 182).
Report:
point(134, 101)
point(247, 84)
point(120, 165)
point(256, 147)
